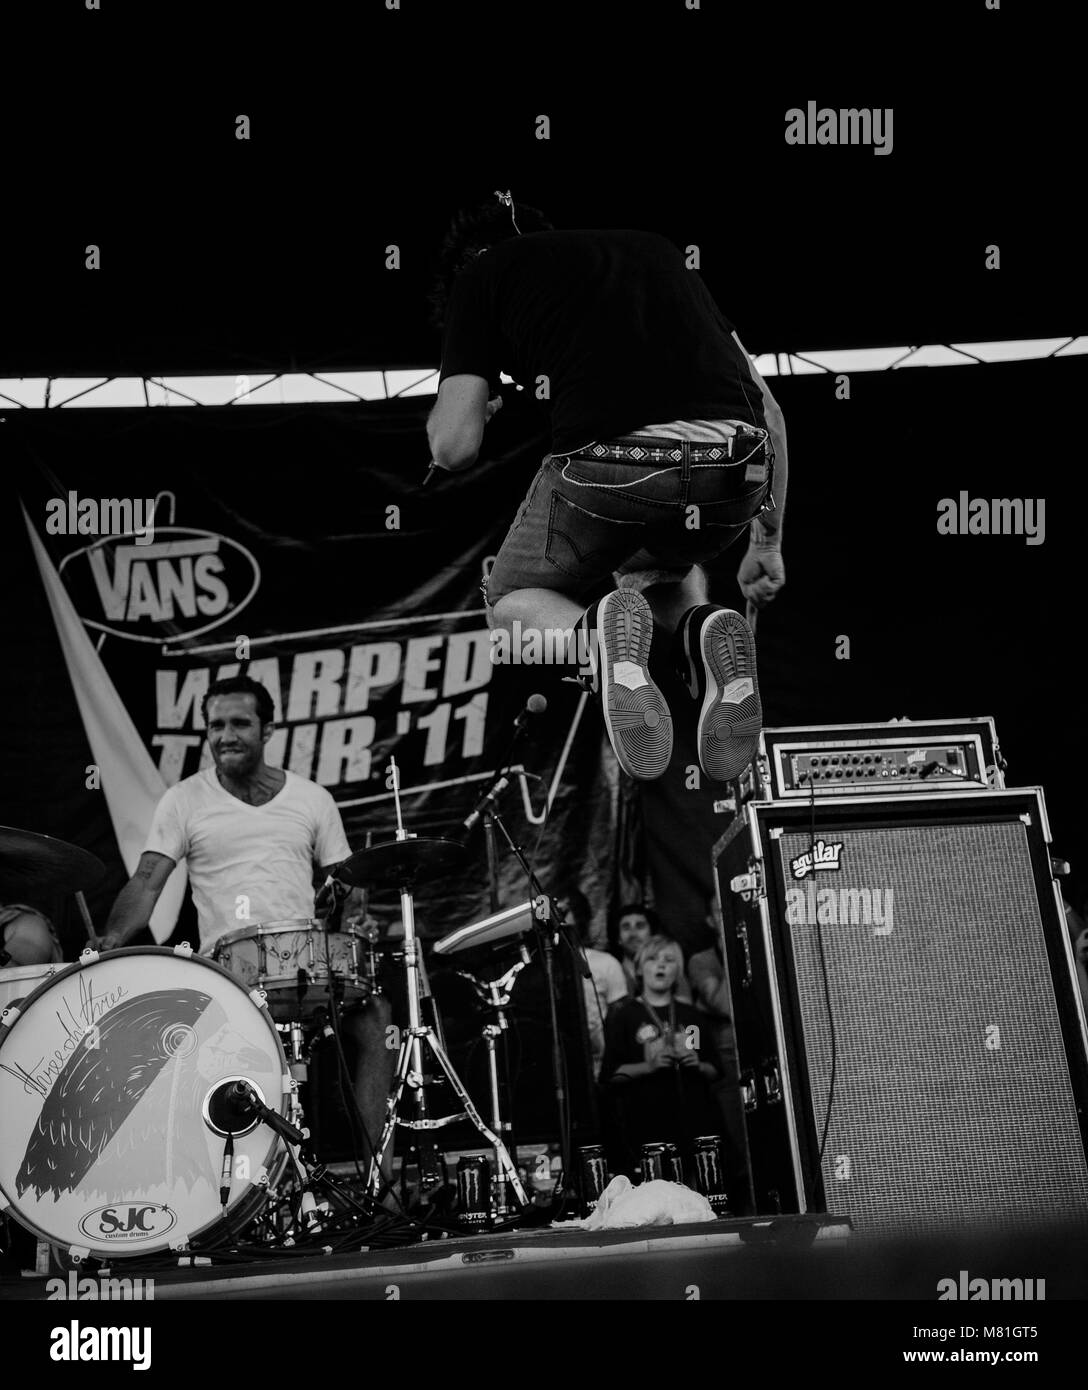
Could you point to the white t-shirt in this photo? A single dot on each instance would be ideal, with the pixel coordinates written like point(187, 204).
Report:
point(248, 864)
point(608, 984)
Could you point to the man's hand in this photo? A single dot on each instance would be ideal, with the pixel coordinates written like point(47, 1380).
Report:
point(761, 574)
point(110, 942)
point(492, 408)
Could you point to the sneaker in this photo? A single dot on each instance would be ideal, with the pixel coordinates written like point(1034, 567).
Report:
point(617, 633)
point(718, 664)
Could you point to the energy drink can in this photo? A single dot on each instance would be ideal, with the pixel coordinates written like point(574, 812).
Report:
point(674, 1167)
point(653, 1162)
point(474, 1189)
point(709, 1179)
point(594, 1174)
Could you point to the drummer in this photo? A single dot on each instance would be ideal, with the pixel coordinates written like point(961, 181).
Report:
point(253, 837)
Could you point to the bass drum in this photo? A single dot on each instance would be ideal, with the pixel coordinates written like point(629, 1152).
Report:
point(116, 1097)
point(18, 982)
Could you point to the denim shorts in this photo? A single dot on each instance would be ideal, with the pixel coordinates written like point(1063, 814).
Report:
point(585, 519)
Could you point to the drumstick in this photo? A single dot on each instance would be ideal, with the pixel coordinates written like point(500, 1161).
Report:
point(81, 903)
point(750, 611)
point(364, 893)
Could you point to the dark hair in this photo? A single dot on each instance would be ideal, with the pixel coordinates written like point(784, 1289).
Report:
point(241, 685)
point(470, 233)
point(579, 906)
point(625, 910)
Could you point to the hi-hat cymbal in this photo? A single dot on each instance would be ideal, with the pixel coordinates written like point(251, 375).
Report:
point(401, 862)
point(29, 862)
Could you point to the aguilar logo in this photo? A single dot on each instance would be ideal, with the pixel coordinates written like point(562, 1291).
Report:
point(127, 1221)
point(185, 583)
point(822, 856)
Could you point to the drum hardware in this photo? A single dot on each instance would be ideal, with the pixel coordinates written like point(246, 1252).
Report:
point(402, 863)
point(549, 931)
point(498, 996)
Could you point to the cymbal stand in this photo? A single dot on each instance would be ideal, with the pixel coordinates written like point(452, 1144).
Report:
point(409, 1070)
point(498, 996)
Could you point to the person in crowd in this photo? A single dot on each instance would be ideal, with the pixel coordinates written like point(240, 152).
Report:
point(630, 926)
point(608, 984)
point(660, 1060)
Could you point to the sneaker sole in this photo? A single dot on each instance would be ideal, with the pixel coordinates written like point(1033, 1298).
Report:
point(636, 714)
point(728, 729)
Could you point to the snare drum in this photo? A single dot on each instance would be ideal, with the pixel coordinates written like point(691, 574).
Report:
point(115, 1091)
point(297, 964)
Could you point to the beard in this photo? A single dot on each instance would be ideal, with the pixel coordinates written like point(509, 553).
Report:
point(240, 764)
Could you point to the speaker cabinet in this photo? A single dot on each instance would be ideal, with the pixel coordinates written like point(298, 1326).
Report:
point(906, 1006)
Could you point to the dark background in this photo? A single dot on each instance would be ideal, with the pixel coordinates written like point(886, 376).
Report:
point(229, 256)
point(370, 127)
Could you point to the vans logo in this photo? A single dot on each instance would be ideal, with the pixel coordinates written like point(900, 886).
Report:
point(173, 588)
point(125, 1221)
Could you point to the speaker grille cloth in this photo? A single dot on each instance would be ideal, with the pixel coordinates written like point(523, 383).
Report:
point(952, 1103)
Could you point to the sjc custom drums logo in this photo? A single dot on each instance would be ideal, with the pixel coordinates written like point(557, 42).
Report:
point(186, 582)
point(128, 1221)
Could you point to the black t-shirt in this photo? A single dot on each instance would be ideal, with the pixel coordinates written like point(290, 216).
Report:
point(626, 335)
point(629, 1026)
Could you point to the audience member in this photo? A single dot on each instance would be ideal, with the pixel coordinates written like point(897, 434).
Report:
point(659, 1061)
point(608, 984)
point(629, 929)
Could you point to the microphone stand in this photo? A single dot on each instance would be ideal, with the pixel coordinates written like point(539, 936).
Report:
point(547, 928)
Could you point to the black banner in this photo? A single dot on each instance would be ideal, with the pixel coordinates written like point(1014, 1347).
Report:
point(297, 546)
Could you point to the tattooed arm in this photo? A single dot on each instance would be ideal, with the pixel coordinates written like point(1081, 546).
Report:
point(136, 900)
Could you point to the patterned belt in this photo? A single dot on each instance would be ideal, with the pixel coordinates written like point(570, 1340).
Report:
point(635, 450)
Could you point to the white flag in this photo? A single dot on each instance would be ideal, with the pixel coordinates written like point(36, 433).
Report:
point(131, 782)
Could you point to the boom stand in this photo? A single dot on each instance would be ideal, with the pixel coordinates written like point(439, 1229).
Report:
point(547, 929)
point(410, 1063)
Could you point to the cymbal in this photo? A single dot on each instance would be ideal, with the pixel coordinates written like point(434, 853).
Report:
point(401, 862)
point(512, 921)
point(29, 861)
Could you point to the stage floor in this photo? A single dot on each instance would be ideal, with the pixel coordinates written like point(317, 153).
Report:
point(792, 1257)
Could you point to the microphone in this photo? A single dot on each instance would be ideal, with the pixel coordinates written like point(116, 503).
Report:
point(227, 1171)
point(242, 1093)
point(536, 704)
point(488, 799)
